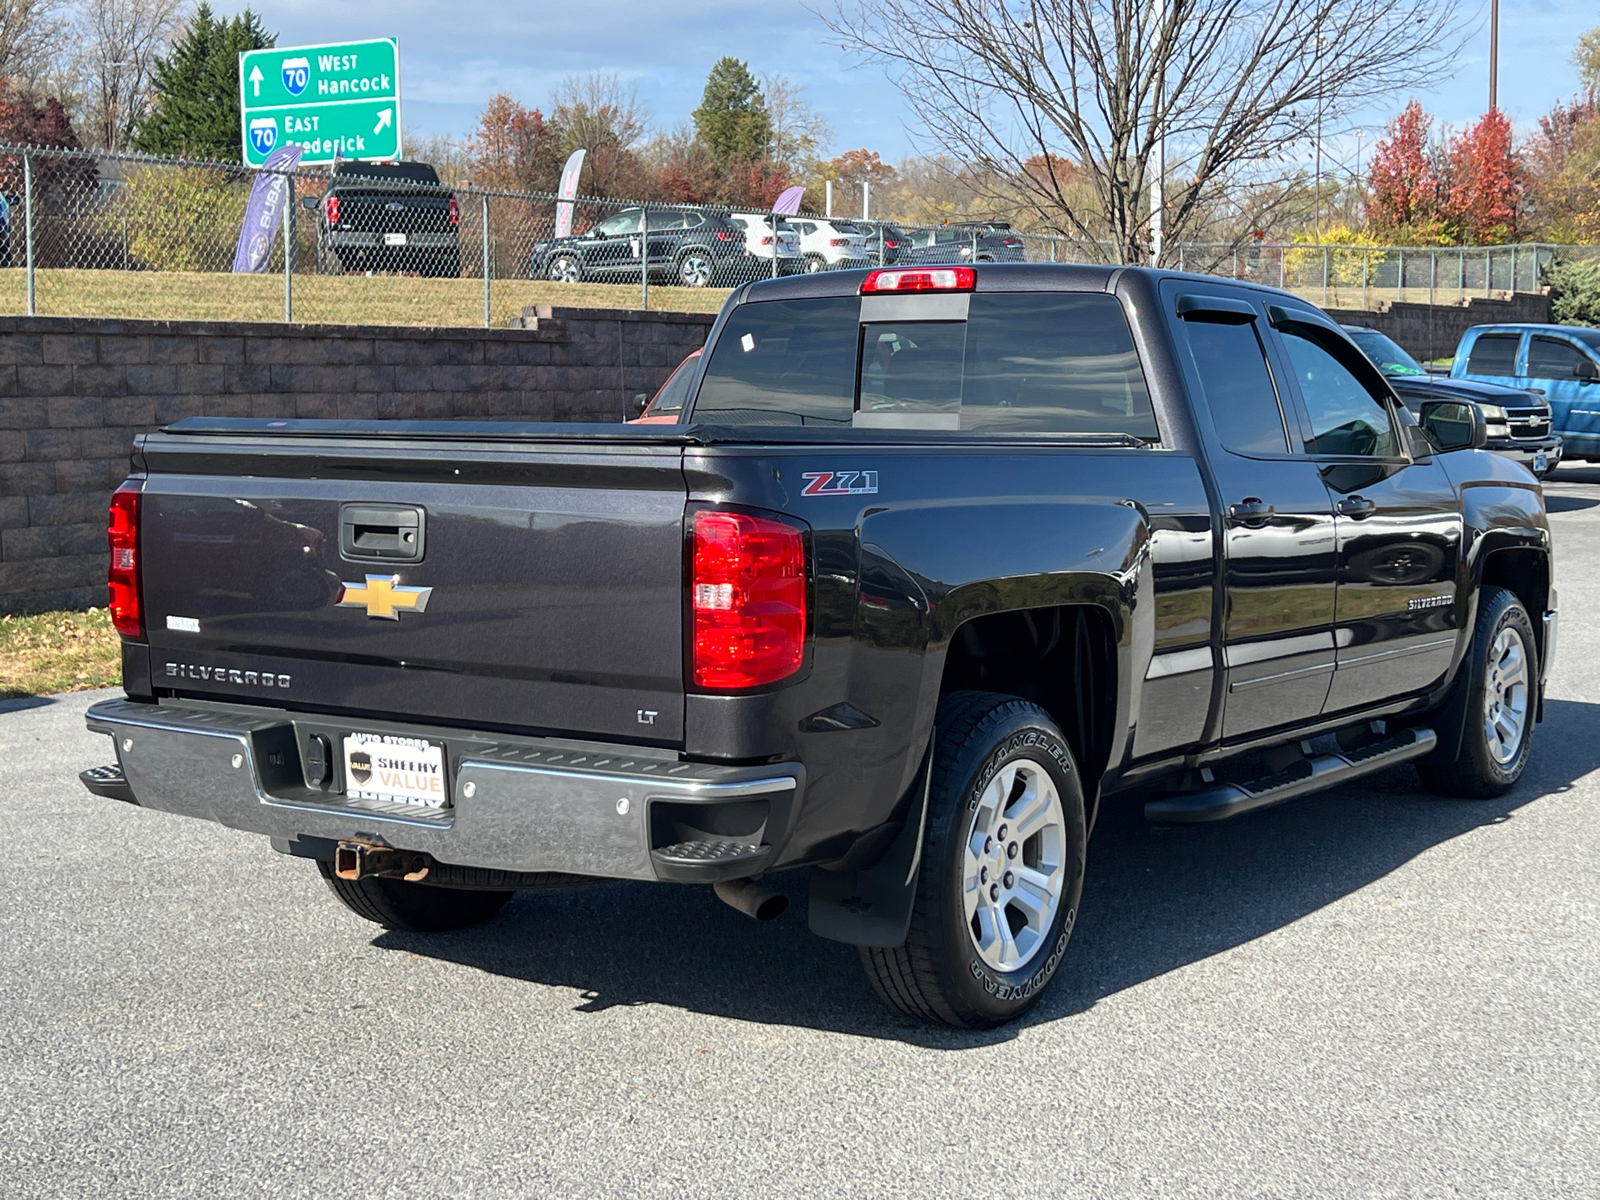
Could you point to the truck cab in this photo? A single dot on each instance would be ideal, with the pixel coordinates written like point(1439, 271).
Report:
point(1559, 362)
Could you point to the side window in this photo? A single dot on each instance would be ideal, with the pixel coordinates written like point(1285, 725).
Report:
point(784, 362)
point(1238, 387)
point(1345, 417)
point(1549, 358)
point(658, 222)
point(623, 222)
point(1494, 354)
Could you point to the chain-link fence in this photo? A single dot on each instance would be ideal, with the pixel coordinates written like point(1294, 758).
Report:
point(91, 234)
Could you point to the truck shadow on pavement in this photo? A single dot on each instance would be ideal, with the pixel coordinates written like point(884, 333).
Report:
point(1156, 900)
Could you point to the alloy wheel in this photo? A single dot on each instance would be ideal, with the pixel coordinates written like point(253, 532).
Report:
point(1014, 865)
point(694, 270)
point(1505, 696)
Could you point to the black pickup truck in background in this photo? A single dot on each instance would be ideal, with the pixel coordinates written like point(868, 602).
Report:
point(1518, 419)
point(387, 217)
point(937, 563)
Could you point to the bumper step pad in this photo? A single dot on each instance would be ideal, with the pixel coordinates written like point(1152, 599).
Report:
point(705, 853)
point(107, 781)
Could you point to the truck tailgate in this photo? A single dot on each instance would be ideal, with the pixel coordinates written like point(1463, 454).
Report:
point(556, 577)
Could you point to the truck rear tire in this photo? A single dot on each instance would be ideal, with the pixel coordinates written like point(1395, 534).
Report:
point(1497, 696)
point(414, 907)
point(1001, 872)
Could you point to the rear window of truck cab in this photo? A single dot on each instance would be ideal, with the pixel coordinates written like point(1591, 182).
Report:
point(991, 362)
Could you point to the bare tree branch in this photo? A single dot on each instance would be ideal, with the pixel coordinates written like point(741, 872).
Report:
point(1059, 100)
point(118, 44)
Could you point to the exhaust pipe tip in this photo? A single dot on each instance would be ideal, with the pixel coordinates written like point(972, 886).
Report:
point(751, 900)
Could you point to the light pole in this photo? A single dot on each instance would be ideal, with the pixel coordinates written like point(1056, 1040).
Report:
point(1158, 191)
point(1494, 53)
point(1358, 183)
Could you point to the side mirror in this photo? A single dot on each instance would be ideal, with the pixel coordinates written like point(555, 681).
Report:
point(638, 404)
point(1586, 371)
point(1452, 425)
point(310, 203)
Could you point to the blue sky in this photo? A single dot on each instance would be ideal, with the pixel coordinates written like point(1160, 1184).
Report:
point(455, 55)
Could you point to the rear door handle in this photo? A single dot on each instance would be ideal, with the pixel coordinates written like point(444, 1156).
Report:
point(1252, 510)
point(1356, 506)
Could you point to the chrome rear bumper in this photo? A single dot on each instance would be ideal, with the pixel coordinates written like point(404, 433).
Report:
point(520, 804)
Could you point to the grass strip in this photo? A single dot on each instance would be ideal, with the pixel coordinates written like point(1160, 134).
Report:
point(58, 652)
point(322, 299)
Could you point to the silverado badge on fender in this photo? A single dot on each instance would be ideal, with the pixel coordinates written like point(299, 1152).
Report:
point(383, 596)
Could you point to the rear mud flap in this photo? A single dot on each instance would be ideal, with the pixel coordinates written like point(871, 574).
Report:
point(872, 906)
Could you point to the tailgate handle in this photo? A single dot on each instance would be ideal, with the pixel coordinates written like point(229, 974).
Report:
point(381, 532)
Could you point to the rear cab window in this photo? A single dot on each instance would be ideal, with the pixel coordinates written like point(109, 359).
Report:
point(988, 362)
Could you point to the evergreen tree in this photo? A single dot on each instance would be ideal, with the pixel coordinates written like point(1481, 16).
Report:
point(196, 87)
point(732, 118)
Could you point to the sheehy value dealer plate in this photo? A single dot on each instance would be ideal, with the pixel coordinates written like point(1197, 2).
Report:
point(397, 769)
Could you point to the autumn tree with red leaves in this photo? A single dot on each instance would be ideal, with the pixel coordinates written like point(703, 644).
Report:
point(1485, 183)
point(1404, 201)
point(514, 148)
point(1467, 191)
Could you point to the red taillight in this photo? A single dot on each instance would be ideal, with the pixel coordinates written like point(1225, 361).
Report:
point(331, 206)
point(123, 578)
point(921, 279)
point(838, 241)
point(455, 212)
point(766, 241)
point(747, 591)
point(724, 236)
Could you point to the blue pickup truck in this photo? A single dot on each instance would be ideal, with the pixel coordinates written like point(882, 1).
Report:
point(1560, 361)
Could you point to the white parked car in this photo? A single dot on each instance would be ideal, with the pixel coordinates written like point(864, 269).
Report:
point(831, 245)
point(758, 245)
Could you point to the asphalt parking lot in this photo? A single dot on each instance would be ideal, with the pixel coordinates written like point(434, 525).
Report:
point(1372, 992)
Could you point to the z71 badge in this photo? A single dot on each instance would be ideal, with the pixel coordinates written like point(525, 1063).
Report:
point(840, 483)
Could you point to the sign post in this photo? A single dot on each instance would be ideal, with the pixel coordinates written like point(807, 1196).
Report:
point(335, 101)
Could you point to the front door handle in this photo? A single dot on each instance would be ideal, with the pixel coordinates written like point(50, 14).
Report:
point(1357, 506)
point(1252, 510)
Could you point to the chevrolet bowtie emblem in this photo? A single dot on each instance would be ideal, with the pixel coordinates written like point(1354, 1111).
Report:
point(383, 596)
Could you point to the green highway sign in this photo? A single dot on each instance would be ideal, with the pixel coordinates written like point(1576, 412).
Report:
point(340, 100)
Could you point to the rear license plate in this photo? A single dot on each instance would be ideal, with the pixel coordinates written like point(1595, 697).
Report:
point(397, 769)
point(394, 239)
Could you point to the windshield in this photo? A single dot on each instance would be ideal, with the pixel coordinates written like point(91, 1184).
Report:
point(1387, 356)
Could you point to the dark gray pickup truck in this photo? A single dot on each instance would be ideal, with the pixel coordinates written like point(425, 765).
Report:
point(938, 561)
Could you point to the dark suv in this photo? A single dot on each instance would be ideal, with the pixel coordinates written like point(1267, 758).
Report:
point(969, 241)
point(387, 217)
point(690, 247)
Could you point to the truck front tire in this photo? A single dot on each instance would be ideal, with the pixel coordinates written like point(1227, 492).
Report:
point(413, 907)
point(1496, 695)
point(1001, 870)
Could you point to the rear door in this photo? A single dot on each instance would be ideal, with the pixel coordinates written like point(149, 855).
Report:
point(1277, 518)
point(543, 590)
point(1398, 520)
point(1566, 373)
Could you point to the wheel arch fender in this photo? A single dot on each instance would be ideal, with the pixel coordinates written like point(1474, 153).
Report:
point(928, 572)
